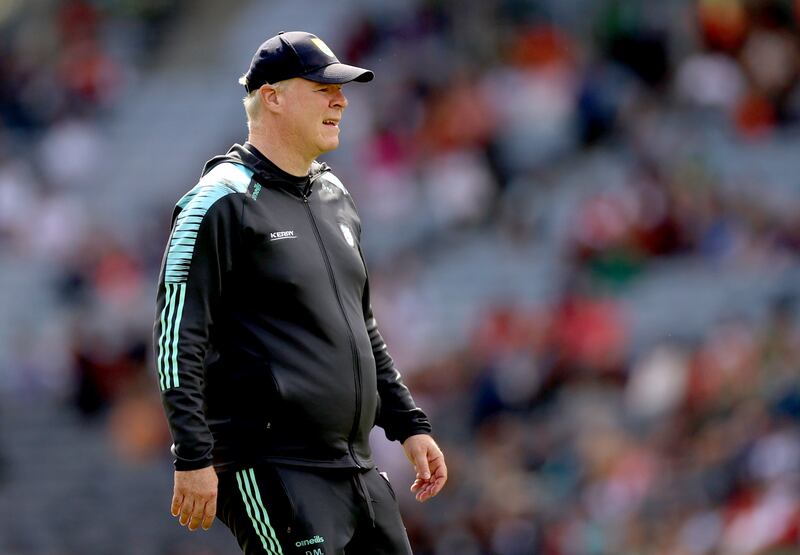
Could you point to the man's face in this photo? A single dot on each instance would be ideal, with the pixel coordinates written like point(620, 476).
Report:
point(313, 112)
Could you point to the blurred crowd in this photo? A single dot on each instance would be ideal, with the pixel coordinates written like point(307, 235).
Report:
point(559, 444)
point(565, 438)
point(564, 435)
point(63, 64)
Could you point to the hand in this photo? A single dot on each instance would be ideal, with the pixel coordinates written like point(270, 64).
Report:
point(194, 499)
point(428, 461)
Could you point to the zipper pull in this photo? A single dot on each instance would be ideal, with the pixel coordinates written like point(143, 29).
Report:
point(310, 186)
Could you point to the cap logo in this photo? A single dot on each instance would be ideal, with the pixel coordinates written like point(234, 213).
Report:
point(322, 46)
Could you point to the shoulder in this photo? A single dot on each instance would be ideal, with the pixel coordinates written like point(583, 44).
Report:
point(323, 173)
point(329, 178)
point(236, 177)
point(333, 190)
point(222, 180)
point(213, 194)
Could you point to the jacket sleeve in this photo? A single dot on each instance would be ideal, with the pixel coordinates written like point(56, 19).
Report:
point(399, 416)
point(199, 254)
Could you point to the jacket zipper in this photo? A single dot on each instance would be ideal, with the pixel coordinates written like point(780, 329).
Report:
point(350, 335)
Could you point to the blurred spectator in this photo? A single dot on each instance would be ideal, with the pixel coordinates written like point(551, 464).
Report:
point(69, 152)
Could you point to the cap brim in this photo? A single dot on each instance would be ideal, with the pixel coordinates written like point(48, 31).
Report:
point(339, 73)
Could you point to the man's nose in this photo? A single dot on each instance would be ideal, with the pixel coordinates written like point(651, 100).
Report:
point(339, 99)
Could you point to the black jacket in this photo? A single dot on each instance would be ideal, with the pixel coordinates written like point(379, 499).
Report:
point(265, 342)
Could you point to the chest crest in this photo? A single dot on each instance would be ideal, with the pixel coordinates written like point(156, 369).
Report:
point(348, 235)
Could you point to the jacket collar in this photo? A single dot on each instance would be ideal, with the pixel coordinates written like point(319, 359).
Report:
point(266, 172)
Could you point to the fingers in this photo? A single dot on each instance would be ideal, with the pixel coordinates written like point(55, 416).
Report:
point(177, 500)
point(198, 514)
point(194, 500)
point(186, 512)
point(428, 461)
point(434, 487)
point(210, 513)
point(425, 489)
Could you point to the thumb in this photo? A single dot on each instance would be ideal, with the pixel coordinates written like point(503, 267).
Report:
point(421, 463)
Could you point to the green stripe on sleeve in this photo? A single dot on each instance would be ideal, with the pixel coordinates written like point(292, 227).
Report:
point(159, 363)
point(167, 338)
point(166, 332)
point(175, 334)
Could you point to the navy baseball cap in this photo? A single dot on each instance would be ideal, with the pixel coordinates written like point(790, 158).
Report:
point(299, 54)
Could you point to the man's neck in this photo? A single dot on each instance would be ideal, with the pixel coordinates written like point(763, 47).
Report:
point(280, 154)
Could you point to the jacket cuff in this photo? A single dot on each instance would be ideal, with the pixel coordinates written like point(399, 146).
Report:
point(191, 464)
point(406, 433)
point(181, 464)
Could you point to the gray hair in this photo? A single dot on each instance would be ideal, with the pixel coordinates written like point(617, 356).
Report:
point(252, 102)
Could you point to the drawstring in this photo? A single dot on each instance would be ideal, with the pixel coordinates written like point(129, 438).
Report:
point(365, 493)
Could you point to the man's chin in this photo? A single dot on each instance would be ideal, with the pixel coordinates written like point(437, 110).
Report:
point(329, 145)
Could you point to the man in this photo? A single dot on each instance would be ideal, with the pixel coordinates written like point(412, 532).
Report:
point(270, 362)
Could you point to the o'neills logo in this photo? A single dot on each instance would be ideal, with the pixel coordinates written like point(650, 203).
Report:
point(278, 235)
point(310, 541)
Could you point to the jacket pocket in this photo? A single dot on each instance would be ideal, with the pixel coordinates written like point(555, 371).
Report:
point(255, 403)
point(385, 478)
point(291, 509)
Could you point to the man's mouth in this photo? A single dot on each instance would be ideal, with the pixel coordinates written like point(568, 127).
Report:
point(330, 122)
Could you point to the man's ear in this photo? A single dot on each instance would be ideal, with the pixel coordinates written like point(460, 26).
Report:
point(270, 98)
